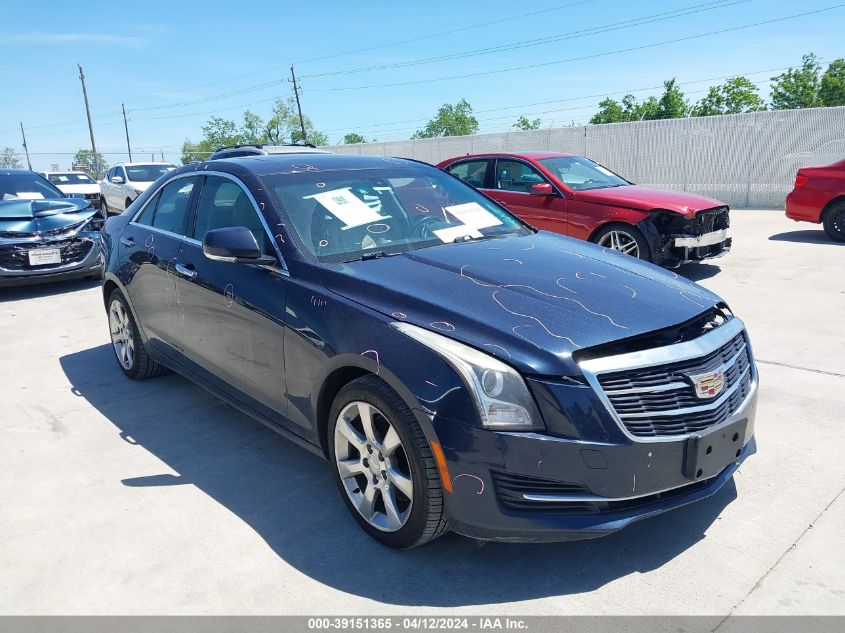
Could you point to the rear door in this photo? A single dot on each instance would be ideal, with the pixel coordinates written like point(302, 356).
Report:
point(512, 182)
point(236, 311)
point(152, 245)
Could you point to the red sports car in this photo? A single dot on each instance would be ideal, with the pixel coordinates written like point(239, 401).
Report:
point(575, 196)
point(819, 196)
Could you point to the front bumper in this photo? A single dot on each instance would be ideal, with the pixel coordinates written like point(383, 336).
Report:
point(89, 265)
point(595, 472)
point(675, 240)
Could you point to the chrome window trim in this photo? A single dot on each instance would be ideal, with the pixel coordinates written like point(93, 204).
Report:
point(668, 354)
point(190, 240)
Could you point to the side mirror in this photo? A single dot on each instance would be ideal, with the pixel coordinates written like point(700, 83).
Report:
point(542, 189)
point(234, 244)
point(118, 180)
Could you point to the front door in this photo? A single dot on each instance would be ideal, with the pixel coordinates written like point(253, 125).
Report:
point(152, 243)
point(512, 182)
point(234, 329)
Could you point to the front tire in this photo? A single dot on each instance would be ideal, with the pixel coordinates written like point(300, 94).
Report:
point(383, 465)
point(624, 238)
point(129, 350)
point(834, 223)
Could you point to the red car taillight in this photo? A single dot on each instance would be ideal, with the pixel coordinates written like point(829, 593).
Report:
point(800, 180)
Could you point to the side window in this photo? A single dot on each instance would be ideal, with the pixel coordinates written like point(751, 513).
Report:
point(146, 216)
point(110, 174)
point(223, 203)
point(119, 171)
point(472, 172)
point(512, 175)
point(172, 205)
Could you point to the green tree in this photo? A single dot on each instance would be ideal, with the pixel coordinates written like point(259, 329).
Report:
point(671, 104)
point(95, 164)
point(523, 123)
point(353, 138)
point(832, 85)
point(610, 111)
point(284, 126)
point(736, 95)
point(451, 120)
point(252, 130)
point(9, 158)
point(797, 87)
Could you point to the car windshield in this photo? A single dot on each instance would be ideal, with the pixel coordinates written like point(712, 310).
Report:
point(345, 215)
point(26, 186)
point(579, 173)
point(70, 179)
point(147, 173)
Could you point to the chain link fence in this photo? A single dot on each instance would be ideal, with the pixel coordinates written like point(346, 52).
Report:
point(745, 160)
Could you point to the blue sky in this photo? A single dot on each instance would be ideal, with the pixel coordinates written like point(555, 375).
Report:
point(176, 64)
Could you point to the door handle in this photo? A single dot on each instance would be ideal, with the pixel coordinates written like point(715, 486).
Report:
point(127, 241)
point(185, 271)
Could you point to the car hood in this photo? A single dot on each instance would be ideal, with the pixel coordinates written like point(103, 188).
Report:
point(39, 216)
point(531, 301)
point(647, 198)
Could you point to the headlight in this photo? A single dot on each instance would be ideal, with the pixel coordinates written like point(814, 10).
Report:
point(501, 397)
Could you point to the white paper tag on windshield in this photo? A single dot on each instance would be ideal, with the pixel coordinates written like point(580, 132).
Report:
point(30, 195)
point(347, 207)
point(605, 170)
point(454, 232)
point(474, 215)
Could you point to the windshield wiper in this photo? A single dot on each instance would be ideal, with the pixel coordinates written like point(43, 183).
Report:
point(374, 255)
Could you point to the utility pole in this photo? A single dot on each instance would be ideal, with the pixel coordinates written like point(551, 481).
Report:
point(90, 127)
point(126, 127)
point(298, 106)
point(23, 136)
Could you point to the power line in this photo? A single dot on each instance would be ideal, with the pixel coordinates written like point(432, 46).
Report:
point(377, 47)
point(583, 57)
point(596, 30)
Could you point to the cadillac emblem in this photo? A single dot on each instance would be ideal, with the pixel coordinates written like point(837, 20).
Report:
point(708, 385)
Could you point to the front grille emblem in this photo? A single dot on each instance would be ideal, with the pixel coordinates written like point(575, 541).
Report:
point(708, 385)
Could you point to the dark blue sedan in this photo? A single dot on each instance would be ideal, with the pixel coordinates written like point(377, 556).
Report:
point(458, 369)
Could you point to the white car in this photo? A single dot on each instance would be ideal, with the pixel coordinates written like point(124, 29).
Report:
point(77, 184)
point(126, 181)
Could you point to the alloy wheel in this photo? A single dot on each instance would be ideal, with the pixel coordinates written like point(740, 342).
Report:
point(373, 466)
point(620, 241)
point(122, 336)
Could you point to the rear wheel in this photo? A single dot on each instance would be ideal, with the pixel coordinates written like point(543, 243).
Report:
point(126, 341)
point(625, 239)
point(383, 465)
point(834, 222)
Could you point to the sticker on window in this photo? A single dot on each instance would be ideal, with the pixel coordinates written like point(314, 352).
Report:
point(605, 170)
point(473, 215)
point(347, 207)
point(454, 232)
point(30, 195)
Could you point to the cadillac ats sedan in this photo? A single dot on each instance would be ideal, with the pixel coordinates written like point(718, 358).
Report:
point(575, 196)
point(456, 368)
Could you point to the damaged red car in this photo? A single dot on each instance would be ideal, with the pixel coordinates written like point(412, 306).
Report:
point(575, 196)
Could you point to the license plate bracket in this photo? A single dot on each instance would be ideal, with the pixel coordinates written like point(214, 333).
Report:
point(41, 256)
point(708, 452)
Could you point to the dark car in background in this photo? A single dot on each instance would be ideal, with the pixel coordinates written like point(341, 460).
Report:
point(819, 197)
point(457, 368)
point(575, 196)
point(45, 235)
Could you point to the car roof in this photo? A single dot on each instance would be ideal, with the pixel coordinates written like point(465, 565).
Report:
point(535, 155)
point(266, 164)
point(68, 171)
point(146, 162)
point(17, 170)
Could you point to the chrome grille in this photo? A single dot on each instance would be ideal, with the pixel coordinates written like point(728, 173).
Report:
point(657, 400)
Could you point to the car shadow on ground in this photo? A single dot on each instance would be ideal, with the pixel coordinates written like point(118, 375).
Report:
point(289, 498)
point(698, 271)
point(35, 291)
point(806, 237)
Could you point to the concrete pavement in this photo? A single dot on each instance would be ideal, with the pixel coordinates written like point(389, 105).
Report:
point(123, 497)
